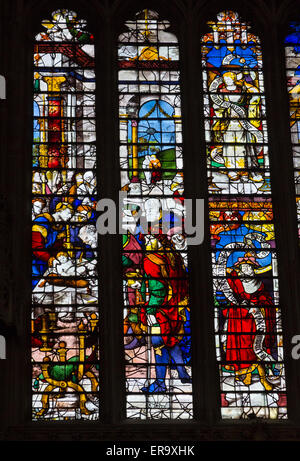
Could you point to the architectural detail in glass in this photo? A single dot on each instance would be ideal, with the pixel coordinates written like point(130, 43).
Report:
point(157, 341)
point(292, 56)
point(65, 317)
point(248, 330)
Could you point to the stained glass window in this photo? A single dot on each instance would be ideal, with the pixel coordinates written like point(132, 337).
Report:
point(156, 307)
point(248, 331)
point(64, 240)
point(292, 54)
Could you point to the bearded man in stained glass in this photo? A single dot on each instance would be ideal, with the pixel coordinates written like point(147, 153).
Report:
point(47, 235)
point(165, 291)
point(236, 113)
point(250, 323)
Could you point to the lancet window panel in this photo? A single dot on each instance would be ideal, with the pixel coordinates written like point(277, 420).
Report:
point(246, 302)
point(65, 312)
point(292, 57)
point(157, 330)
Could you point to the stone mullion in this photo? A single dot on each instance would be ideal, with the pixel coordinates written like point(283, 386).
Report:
point(283, 194)
point(18, 183)
point(204, 368)
point(110, 267)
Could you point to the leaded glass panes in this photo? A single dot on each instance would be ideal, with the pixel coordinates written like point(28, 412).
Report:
point(65, 316)
point(292, 56)
point(156, 304)
point(247, 307)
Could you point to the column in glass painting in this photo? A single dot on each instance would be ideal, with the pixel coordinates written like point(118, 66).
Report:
point(156, 307)
point(65, 318)
point(248, 329)
point(292, 56)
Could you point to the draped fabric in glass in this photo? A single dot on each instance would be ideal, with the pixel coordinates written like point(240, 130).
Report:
point(247, 307)
point(157, 342)
point(64, 240)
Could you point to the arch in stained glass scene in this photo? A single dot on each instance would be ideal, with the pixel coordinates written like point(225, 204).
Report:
point(65, 330)
point(246, 302)
point(157, 341)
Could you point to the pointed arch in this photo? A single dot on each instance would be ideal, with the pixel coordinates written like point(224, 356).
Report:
point(65, 312)
point(246, 303)
point(156, 303)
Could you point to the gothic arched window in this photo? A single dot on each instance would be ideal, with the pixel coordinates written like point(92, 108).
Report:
point(187, 335)
point(248, 330)
point(156, 305)
point(64, 239)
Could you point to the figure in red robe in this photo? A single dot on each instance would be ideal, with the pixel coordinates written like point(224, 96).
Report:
point(250, 322)
point(165, 292)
